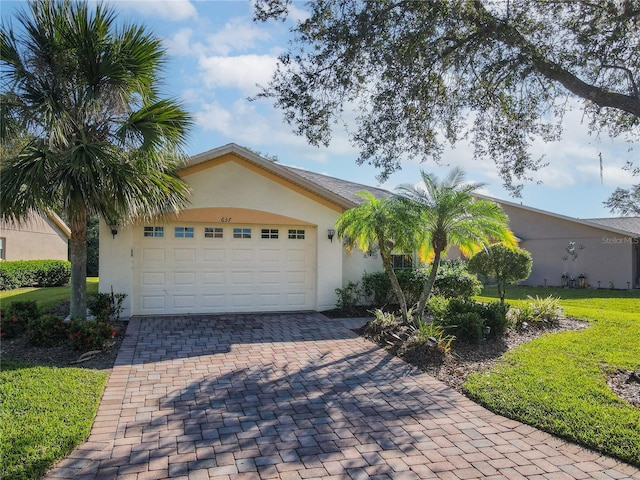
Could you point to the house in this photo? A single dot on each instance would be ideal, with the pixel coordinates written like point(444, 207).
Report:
point(257, 236)
point(605, 251)
point(39, 237)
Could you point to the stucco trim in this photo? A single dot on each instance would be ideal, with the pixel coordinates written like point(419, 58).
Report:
point(66, 231)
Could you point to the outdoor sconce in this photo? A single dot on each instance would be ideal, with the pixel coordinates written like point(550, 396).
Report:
point(330, 233)
point(114, 230)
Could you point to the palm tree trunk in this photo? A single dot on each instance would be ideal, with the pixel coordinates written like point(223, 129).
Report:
point(78, 257)
point(395, 285)
point(426, 291)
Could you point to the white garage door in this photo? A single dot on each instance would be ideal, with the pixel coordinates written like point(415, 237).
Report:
point(184, 268)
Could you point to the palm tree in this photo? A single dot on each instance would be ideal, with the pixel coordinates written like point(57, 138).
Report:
point(382, 222)
point(82, 125)
point(451, 215)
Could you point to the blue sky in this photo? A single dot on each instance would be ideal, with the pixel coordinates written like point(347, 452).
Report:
point(217, 55)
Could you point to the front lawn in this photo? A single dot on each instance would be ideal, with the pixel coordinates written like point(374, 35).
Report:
point(47, 298)
point(46, 412)
point(558, 383)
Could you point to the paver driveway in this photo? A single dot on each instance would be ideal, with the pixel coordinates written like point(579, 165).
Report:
point(299, 396)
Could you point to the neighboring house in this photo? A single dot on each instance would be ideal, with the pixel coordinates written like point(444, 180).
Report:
point(39, 237)
point(605, 250)
point(256, 237)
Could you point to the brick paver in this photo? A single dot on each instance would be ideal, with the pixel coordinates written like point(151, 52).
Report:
point(297, 396)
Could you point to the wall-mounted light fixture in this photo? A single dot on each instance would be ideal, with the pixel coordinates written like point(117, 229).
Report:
point(114, 229)
point(330, 234)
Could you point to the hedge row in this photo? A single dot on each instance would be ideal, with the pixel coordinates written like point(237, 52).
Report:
point(28, 273)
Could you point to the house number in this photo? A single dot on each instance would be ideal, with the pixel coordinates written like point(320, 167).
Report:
point(225, 220)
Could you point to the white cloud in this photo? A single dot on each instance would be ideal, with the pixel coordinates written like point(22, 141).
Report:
point(181, 44)
point(176, 10)
point(237, 34)
point(242, 72)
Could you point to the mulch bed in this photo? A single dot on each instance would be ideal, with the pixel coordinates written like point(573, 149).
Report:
point(466, 358)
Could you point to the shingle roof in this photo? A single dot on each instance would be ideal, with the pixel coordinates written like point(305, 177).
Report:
point(338, 186)
point(628, 224)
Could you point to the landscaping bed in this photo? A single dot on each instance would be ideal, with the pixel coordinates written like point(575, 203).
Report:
point(466, 358)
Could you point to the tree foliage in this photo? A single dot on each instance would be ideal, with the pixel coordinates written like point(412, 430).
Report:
point(384, 223)
point(82, 124)
point(447, 214)
point(508, 265)
point(422, 74)
point(625, 201)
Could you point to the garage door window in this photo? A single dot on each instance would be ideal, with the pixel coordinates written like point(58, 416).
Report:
point(296, 234)
point(183, 232)
point(212, 232)
point(241, 233)
point(154, 232)
point(269, 233)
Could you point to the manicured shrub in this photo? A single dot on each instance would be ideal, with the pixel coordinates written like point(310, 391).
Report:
point(348, 297)
point(505, 264)
point(106, 306)
point(466, 326)
point(14, 320)
point(27, 273)
point(90, 335)
point(10, 326)
point(46, 331)
point(495, 316)
point(452, 281)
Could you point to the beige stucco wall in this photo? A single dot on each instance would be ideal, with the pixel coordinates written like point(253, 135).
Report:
point(36, 238)
point(601, 254)
point(231, 184)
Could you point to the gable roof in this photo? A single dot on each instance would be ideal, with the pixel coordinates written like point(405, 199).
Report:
point(615, 225)
point(340, 192)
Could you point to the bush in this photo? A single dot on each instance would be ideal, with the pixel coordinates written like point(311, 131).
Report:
point(467, 326)
point(106, 306)
point(46, 331)
point(495, 316)
point(348, 297)
point(27, 273)
point(438, 307)
point(14, 321)
point(90, 335)
point(376, 288)
point(454, 280)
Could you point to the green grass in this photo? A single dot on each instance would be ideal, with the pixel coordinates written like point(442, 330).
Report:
point(558, 382)
point(46, 298)
point(45, 413)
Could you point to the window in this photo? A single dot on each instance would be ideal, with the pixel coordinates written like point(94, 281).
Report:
point(212, 232)
point(3, 242)
point(269, 233)
point(183, 232)
point(402, 260)
point(296, 234)
point(241, 233)
point(154, 232)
